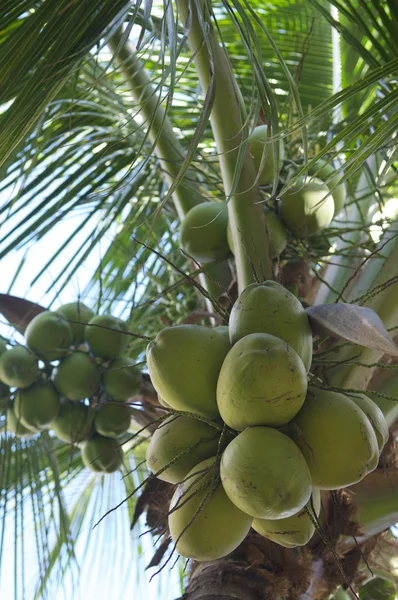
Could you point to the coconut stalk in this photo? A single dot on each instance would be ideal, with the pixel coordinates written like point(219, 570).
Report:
point(245, 209)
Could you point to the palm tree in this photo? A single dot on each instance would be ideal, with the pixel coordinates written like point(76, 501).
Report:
point(117, 117)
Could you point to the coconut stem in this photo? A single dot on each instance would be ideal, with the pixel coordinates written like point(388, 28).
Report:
point(245, 211)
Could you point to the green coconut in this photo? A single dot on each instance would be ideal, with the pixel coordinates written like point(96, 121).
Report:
point(203, 231)
point(106, 336)
point(15, 426)
point(19, 367)
point(122, 379)
point(375, 416)
point(77, 376)
point(306, 208)
point(76, 311)
point(271, 308)
point(264, 474)
point(74, 422)
point(37, 405)
point(111, 420)
point(49, 335)
point(277, 233)
point(102, 454)
point(192, 439)
point(262, 381)
point(328, 174)
point(258, 146)
point(205, 524)
point(293, 531)
point(184, 363)
point(336, 439)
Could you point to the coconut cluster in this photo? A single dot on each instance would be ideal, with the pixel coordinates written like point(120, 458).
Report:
point(72, 378)
point(248, 440)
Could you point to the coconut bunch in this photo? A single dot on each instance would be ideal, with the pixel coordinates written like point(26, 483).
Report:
point(72, 378)
point(249, 436)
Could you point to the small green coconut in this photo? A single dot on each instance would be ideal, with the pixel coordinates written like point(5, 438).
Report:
point(307, 207)
point(336, 439)
point(78, 315)
point(49, 335)
point(264, 474)
point(375, 416)
point(74, 422)
point(328, 174)
point(204, 524)
point(122, 379)
point(77, 376)
point(106, 336)
point(102, 454)
point(37, 405)
point(184, 363)
point(111, 420)
point(187, 438)
point(259, 144)
point(19, 367)
point(203, 232)
point(293, 531)
point(262, 381)
point(270, 308)
point(15, 426)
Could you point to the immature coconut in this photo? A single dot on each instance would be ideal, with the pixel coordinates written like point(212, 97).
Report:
point(49, 335)
point(336, 439)
point(77, 376)
point(328, 174)
point(203, 231)
point(78, 315)
point(204, 524)
point(184, 363)
point(15, 426)
point(102, 454)
point(74, 422)
point(122, 379)
point(271, 308)
point(187, 438)
point(264, 474)
point(277, 234)
point(106, 336)
point(293, 531)
point(111, 420)
point(262, 382)
point(259, 144)
point(19, 367)
point(37, 405)
point(307, 207)
point(375, 416)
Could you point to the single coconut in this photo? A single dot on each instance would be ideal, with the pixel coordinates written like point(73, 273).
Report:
point(102, 454)
point(277, 234)
point(307, 207)
point(106, 336)
point(37, 405)
point(184, 363)
point(183, 442)
point(203, 232)
point(78, 315)
point(74, 422)
point(19, 367)
point(15, 426)
point(264, 474)
point(262, 381)
point(293, 531)
point(111, 420)
point(49, 335)
point(77, 376)
point(122, 379)
point(259, 147)
point(375, 416)
point(327, 173)
point(204, 524)
point(271, 308)
point(336, 439)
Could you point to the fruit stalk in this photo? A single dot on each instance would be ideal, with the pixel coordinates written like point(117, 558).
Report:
point(245, 209)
